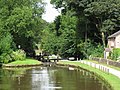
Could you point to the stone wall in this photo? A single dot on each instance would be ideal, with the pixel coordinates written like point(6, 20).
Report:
point(107, 61)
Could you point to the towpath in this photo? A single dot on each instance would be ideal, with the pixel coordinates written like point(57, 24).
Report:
point(102, 67)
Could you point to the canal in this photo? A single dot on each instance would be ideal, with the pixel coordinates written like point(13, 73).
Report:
point(49, 78)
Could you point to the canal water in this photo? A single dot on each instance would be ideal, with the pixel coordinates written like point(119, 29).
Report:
point(49, 78)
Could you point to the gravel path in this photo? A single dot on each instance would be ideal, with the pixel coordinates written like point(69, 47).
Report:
point(103, 68)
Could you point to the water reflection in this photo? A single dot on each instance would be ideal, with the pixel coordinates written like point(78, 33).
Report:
point(42, 80)
point(49, 78)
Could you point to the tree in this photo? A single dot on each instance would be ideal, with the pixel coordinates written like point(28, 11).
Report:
point(22, 19)
point(50, 42)
point(80, 21)
point(104, 14)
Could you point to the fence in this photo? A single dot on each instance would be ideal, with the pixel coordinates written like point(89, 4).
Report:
point(101, 67)
point(107, 61)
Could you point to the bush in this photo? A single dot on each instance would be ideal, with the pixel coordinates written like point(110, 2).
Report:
point(115, 55)
point(18, 55)
point(90, 49)
point(98, 51)
point(12, 56)
point(5, 47)
point(5, 58)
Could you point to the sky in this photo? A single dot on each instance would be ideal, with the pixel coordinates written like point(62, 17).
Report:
point(50, 13)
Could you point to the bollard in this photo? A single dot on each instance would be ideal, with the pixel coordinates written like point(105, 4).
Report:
point(90, 64)
point(108, 71)
point(99, 66)
point(103, 69)
point(95, 65)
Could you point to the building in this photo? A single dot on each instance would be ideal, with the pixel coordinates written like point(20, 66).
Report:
point(114, 40)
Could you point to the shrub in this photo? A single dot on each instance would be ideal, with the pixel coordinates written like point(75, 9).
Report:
point(98, 51)
point(5, 47)
point(90, 49)
point(115, 55)
point(18, 55)
point(5, 58)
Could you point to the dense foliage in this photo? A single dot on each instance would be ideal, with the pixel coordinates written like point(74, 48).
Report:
point(80, 31)
point(20, 25)
point(83, 27)
point(115, 54)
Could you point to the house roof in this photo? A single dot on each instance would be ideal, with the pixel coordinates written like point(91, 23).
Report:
point(114, 35)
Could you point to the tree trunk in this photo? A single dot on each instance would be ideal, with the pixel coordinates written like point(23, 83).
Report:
point(103, 39)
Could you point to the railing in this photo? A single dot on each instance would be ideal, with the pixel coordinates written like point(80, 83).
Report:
point(107, 61)
point(98, 66)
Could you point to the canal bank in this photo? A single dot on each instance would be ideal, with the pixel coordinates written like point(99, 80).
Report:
point(114, 81)
point(23, 63)
point(103, 68)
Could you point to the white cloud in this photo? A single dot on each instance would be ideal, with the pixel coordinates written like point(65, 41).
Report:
point(50, 13)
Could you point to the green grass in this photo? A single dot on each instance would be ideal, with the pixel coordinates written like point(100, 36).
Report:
point(25, 62)
point(111, 79)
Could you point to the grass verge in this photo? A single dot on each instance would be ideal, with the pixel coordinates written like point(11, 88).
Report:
point(111, 79)
point(25, 62)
